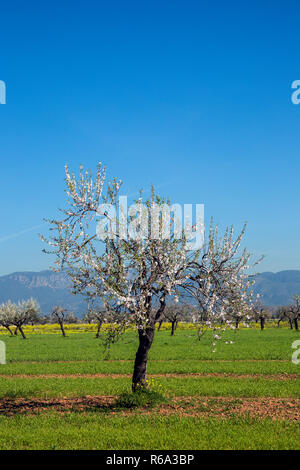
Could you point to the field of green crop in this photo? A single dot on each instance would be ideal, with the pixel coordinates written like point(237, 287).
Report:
point(60, 393)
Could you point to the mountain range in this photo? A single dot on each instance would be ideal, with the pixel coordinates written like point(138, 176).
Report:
point(50, 289)
point(277, 288)
point(47, 287)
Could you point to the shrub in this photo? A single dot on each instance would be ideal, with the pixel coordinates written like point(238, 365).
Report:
point(140, 398)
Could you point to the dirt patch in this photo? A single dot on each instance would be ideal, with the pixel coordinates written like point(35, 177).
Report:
point(11, 406)
point(282, 376)
point(204, 407)
point(226, 407)
point(65, 376)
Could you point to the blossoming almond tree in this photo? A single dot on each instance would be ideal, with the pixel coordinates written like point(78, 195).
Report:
point(260, 312)
point(58, 314)
point(174, 313)
point(134, 275)
point(7, 311)
point(293, 310)
point(96, 314)
point(19, 314)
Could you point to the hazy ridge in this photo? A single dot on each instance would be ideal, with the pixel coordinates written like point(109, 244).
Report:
point(51, 289)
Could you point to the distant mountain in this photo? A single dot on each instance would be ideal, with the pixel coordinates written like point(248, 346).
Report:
point(50, 289)
point(278, 288)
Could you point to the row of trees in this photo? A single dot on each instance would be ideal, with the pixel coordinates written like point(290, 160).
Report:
point(16, 315)
point(290, 313)
point(27, 312)
point(19, 314)
point(259, 313)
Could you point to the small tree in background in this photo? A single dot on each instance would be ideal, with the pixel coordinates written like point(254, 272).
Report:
point(7, 311)
point(88, 318)
point(291, 313)
point(44, 319)
point(98, 316)
point(260, 313)
point(62, 316)
point(293, 310)
point(24, 312)
point(70, 318)
point(58, 315)
point(174, 313)
point(280, 314)
point(236, 316)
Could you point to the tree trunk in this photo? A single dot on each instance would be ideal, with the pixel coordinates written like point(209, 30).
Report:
point(16, 331)
point(296, 324)
point(140, 365)
point(237, 324)
point(62, 330)
point(291, 323)
point(159, 325)
point(173, 328)
point(98, 329)
point(22, 332)
point(262, 323)
point(8, 328)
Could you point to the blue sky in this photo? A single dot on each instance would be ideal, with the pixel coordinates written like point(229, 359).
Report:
point(192, 96)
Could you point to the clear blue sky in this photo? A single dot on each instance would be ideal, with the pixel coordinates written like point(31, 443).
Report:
point(192, 96)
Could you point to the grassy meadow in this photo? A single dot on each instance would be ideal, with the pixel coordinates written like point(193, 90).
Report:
point(60, 393)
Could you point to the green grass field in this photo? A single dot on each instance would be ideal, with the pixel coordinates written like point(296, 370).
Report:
point(59, 393)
